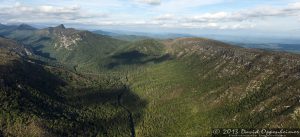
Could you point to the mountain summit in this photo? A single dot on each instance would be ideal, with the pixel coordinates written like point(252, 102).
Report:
point(61, 26)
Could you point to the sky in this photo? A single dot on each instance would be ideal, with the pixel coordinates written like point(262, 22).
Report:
point(266, 17)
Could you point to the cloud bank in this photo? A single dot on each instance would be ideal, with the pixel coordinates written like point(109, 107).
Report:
point(150, 2)
point(158, 14)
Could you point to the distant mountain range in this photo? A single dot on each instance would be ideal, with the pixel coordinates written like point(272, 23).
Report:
point(291, 44)
point(60, 81)
point(134, 36)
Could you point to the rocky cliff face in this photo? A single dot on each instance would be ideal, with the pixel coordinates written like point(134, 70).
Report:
point(66, 40)
point(62, 37)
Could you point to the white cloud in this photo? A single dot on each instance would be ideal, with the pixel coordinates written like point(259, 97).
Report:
point(249, 14)
point(129, 23)
point(242, 19)
point(150, 2)
point(58, 10)
point(214, 25)
point(165, 14)
point(165, 17)
point(295, 5)
point(19, 13)
point(236, 20)
point(178, 6)
point(209, 17)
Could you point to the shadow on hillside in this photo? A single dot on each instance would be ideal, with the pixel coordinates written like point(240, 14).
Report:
point(31, 89)
point(30, 74)
point(37, 46)
point(89, 111)
point(136, 58)
point(128, 105)
point(92, 96)
point(38, 51)
point(131, 55)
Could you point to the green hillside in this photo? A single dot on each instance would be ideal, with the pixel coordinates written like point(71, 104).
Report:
point(65, 82)
point(74, 48)
point(41, 100)
point(209, 84)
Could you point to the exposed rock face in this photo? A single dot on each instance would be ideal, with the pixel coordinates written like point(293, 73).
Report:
point(61, 26)
point(63, 38)
point(67, 41)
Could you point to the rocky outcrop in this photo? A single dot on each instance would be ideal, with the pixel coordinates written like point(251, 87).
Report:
point(67, 41)
point(15, 47)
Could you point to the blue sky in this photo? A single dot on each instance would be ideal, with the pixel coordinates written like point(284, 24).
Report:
point(276, 17)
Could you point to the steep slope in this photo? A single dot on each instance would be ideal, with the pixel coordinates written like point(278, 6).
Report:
point(69, 46)
point(80, 47)
point(13, 47)
point(40, 100)
point(209, 84)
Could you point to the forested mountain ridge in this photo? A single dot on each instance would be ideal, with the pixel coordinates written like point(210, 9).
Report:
point(175, 87)
point(212, 84)
point(39, 100)
point(74, 48)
